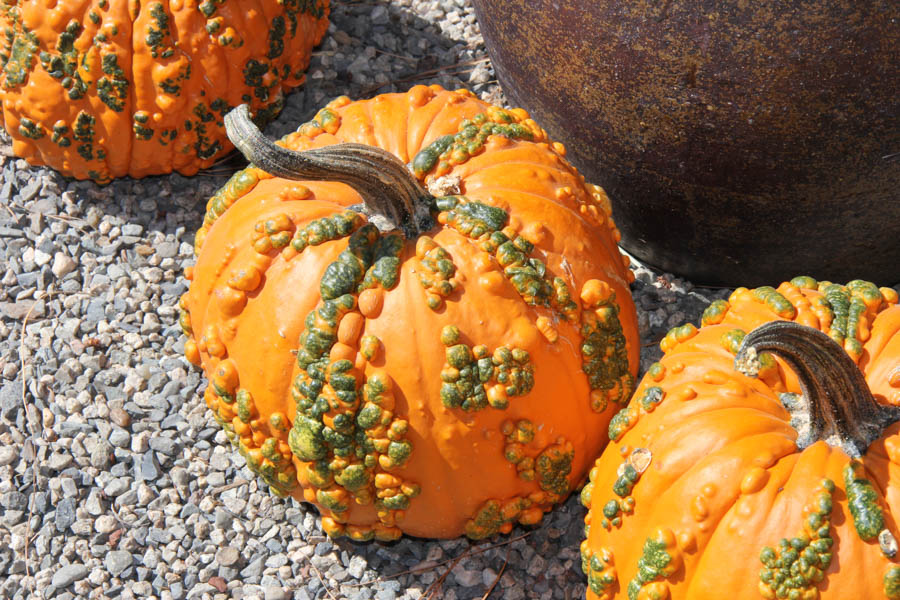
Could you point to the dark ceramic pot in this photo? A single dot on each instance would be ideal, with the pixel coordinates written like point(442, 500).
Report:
point(741, 142)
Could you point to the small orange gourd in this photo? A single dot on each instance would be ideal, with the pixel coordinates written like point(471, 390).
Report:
point(108, 88)
point(432, 350)
point(760, 457)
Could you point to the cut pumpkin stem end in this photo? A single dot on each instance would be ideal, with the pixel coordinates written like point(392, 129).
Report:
point(388, 189)
point(842, 410)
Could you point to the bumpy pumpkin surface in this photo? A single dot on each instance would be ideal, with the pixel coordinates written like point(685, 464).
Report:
point(458, 380)
point(718, 484)
point(106, 88)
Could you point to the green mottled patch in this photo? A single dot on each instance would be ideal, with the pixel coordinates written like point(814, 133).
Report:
point(838, 298)
point(732, 340)
point(340, 421)
point(794, 567)
point(369, 416)
point(306, 439)
point(326, 229)
point(158, 31)
point(427, 157)
point(353, 477)
point(651, 566)
point(624, 483)
point(437, 275)
point(244, 405)
point(59, 136)
point(385, 267)
point(369, 345)
point(598, 567)
point(331, 500)
point(84, 127)
point(491, 516)
point(553, 466)
point(276, 37)
point(208, 8)
point(562, 300)
point(892, 583)
point(805, 282)
point(468, 141)
point(204, 148)
point(470, 371)
point(141, 132)
point(112, 88)
point(270, 451)
point(586, 493)
point(862, 500)
point(30, 129)
point(279, 422)
point(651, 397)
point(715, 312)
point(656, 371)
point(621, 422)
point(604, 352)
point(254, 71)
point(474, 219)
point(84, 132)
point(19, 63)
point(780, 305)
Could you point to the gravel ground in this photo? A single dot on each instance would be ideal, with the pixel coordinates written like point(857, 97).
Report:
point(114, 480)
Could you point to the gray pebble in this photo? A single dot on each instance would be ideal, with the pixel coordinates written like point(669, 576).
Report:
point(14, 501)
point(59, 461)
point(254, 569)
point(65, 514)
point(68, 575)
point(357, 567)
point(117, 561)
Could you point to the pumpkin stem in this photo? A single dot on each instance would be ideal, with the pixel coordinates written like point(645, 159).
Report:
point(387, 187)
point(841, 408)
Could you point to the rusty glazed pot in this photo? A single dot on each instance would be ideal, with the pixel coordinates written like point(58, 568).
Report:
point(740, 141)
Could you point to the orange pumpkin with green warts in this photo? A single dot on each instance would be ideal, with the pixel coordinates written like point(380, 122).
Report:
point(107, 88)
point(760, 457)
point(433, 350)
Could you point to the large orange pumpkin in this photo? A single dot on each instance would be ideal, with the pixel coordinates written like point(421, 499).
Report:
point(778, 483)
point(452, 375)
point(105, 88)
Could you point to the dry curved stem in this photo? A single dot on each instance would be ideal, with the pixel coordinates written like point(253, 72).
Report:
point(385, 184)
point(319, 577)
point(841, 408)
point(499, 575)
point(439, 582)
point(34, 473)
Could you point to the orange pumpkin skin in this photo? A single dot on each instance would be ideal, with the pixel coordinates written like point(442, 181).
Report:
point(107, 88)
point(726, 482)
point(468, 470)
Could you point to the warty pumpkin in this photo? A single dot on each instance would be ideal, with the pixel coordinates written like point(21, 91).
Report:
point(760, 457)
point(445, 365)
point(106, 88)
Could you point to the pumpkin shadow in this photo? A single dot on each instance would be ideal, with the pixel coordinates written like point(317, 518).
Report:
point(440, 565)
point(664, 301)
point(368, 50)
